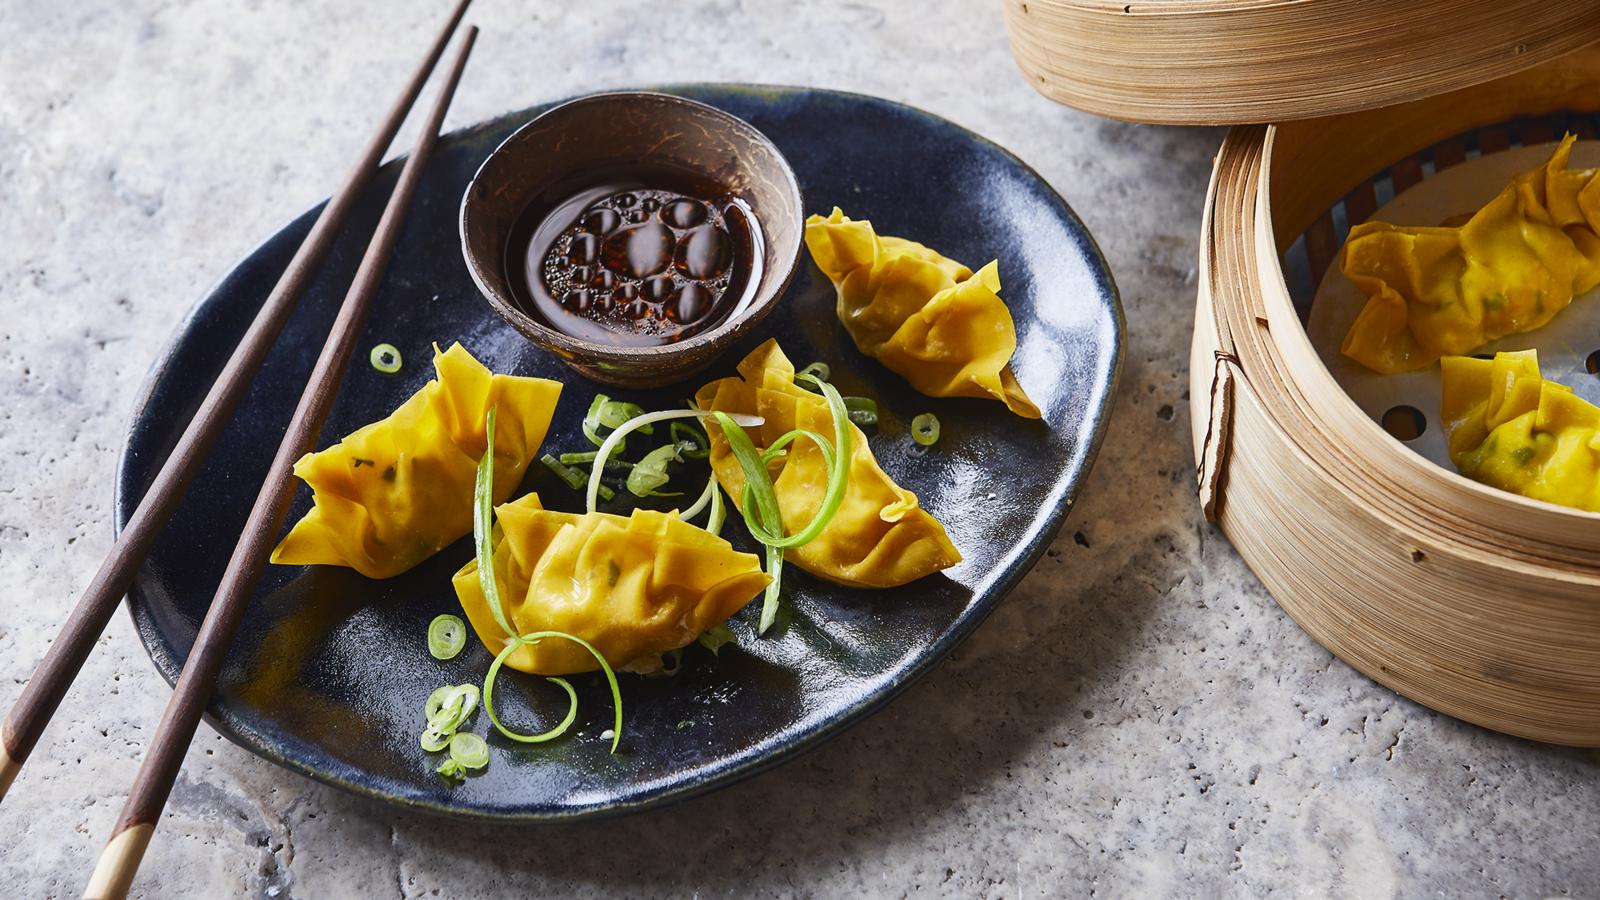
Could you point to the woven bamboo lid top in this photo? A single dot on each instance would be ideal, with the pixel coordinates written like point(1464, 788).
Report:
point(1199, 62)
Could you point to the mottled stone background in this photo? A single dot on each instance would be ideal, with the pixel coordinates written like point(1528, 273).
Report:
point(1139, 719)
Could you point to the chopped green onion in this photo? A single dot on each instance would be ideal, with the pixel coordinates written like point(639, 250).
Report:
point(691, 440)
point(718, 511)
point(863, 411)
point(605, 412)
point(760, 508)
point(447, 634)
point(817, 370)
point(450, 768)
point(469, 750)
point(385, 358)
point(572, 695)
point(715, 636)
point(450, 695)
point(866, 404)
point(574, 459)
point(925, 429)
point(651, 472)
point(574, 478)
point(434, 739)
point(640, 423)
point(483, 526)
point(448, 708)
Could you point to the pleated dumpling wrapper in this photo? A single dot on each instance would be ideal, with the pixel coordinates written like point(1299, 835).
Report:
point(633, 586)
point(1510, 268)
point(1511, 429)
point(395, 492)
point(924, 316)
point(880, 537)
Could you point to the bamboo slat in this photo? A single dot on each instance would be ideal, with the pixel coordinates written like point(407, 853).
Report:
point(1194, 62)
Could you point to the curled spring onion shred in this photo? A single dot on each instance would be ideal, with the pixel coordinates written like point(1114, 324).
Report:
point(483, 527)
point(718, 511)
point(385, 358)
point(703, 501)
point(641, 423)
point(447, 634)
point(572, 695)
point(760, 508)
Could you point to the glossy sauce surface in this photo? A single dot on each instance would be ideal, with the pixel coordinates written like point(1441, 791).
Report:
point(635, 258)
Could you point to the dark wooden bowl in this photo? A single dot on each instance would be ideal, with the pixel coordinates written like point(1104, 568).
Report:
point(631, 128)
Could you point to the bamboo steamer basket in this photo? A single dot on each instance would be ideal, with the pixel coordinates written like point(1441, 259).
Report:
point(1478, 603)
point(1192, 62)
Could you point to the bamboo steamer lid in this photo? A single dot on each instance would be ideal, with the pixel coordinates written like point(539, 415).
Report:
point(1476, 602)
point(1199, 62)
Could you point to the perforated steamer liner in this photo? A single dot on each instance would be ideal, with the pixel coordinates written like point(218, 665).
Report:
point(1478, 603)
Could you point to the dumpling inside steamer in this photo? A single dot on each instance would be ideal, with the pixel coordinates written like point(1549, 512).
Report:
point(1510, 428)
point(1510, 268)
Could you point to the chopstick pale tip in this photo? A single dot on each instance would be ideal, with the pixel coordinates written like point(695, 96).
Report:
point(113, 874)
point(8, 770)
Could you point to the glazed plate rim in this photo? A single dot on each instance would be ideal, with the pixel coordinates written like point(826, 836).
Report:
point(779, 748)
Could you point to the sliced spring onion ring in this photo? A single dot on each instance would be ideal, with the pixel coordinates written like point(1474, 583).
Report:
point(450, 695)
point(451, 769)
point(640, 423)
point(925, 429)
point(714, 637)
point(818, 370)
point(605, 412)
point(572, 695)
point(863, 411)
point(483, 527)
point(469, 750)
point(434, 739)
point(447, 634)
point(448, 708)
point(385, 358)
point(691, 440)
point(651, 472)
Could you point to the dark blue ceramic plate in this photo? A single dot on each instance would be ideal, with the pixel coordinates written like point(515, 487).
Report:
point(329, 671)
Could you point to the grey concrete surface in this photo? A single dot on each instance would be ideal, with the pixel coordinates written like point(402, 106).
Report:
point(1138, 719)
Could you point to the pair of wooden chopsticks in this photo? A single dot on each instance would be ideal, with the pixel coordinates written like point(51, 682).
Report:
point(27, 719)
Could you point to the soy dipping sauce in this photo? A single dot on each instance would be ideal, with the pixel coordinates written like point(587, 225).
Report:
point(639, 257)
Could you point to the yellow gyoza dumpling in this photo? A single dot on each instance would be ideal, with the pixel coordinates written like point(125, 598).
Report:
point(925, 317)
point(397, 491)
point(1511, 429)
point(633, 586)
point(879, 537)
point(1510, 268)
